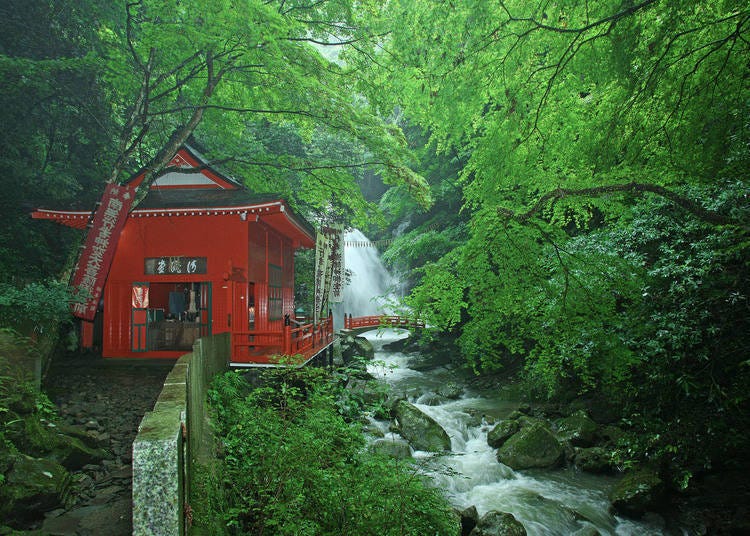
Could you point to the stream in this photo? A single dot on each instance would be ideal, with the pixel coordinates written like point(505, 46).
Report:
point(546, 502)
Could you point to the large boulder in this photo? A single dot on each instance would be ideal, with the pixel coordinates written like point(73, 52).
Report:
point(419, 429)
point(533, 446)
point(593, 459)
point(469, 519)
point(502, 431)
point(637, 492)
point(495, 523)
point(353, 347)
point(32, 486)
point(578, 428)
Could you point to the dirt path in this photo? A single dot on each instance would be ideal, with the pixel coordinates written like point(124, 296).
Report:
point(108, 398)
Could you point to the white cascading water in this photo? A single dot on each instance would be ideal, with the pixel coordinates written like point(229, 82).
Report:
point(547, 502)
point(370, 286)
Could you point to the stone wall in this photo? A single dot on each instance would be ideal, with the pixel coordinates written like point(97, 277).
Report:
point(173, 438)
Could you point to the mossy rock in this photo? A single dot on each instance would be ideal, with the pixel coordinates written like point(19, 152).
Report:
point(501, 433)
point(32, 486)
point(638, 492)
point(533, 446)
point(593, 459)
point(495, 523)
point(393, 448)
point(450, 390)
point(420, 430)
point(579, 429)
point(71, 452)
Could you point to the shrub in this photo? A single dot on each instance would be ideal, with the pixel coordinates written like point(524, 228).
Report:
point(291, 465)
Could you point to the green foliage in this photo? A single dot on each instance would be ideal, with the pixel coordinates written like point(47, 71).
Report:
point(38, 305)
point(565, 114)
point(292, 465)
point(23, 408)
point(57, 130)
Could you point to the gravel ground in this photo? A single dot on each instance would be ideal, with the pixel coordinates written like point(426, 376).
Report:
point(107, 397)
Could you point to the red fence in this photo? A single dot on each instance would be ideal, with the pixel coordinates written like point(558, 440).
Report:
point(305, 340)
point(381, 321)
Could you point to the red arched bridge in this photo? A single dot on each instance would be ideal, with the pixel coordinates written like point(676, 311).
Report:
point(366, 323)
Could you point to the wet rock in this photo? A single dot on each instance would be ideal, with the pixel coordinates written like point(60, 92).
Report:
point(395, 448)
point(32, 486)
point(532, 446)
point(421, 430)
point(431, 399)
point(112, 519)
point(73, 453)
point(354, 347)
point(501, 433)
point(469, 519)
point(579, 429)
point(637, 492)
point(593, 459)
point(495, 523)
point(450, 390)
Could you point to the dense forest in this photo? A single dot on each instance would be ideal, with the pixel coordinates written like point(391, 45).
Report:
point(563, 185)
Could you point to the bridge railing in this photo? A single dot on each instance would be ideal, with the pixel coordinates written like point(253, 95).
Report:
point(258, 346)
point(392, 321)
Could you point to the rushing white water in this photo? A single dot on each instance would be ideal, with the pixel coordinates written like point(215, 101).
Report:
point(547, 502)
point(370, 287)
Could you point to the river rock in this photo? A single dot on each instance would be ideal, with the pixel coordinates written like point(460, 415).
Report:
point(502, 431)
point(469, 519)
point(593, 459)
point(532, 446)
point(637, 492)
point(495, 523)
point(450, 390)
point(579, 429)
point(32, 486)
point(353, 347)
point(421, 430)
point(395, 448)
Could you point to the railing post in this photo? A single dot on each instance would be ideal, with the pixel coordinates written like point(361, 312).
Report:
point(286, 337)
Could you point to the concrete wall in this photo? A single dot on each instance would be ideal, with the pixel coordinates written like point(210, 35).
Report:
point(173, 438)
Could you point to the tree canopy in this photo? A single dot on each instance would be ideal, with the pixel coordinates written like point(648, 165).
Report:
point(604, 148)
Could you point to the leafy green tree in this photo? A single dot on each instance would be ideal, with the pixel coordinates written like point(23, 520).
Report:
point(56, 128)
point(580, 123)
point(231, 74)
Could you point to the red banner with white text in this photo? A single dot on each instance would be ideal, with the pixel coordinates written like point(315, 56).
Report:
point(99, 249)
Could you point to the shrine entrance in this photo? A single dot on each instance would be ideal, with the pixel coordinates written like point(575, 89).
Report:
point(169, 316)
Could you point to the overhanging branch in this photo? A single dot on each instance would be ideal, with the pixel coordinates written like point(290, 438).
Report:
point(689, 205)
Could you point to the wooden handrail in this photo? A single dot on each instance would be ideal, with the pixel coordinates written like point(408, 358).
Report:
point(351, 322)
point(259, 345)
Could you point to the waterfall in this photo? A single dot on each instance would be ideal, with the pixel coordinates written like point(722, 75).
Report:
point(371, 285)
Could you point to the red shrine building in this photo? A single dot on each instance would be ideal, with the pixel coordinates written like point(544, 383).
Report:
point(198, 255)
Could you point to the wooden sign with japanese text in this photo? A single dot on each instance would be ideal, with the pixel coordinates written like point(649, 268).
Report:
point(99, 249)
